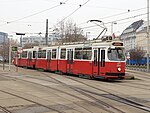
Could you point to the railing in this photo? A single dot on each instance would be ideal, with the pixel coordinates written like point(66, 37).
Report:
point(137, 67)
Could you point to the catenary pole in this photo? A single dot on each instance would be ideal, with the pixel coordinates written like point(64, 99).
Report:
point(46, 35)
point(148, 36)
point(9, 53)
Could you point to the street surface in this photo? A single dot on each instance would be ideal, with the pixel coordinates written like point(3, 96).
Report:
point(33, 91)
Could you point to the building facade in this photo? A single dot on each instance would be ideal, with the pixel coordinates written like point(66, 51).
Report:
point(141, 37)
point(3, 37)
point(129, 35)
point(3, 40)
point(40, 40)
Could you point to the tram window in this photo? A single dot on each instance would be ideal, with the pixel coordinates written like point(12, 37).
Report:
point(24, 54)
point(63, 54)
point(102, 58)
point(87, 53)
point(34, 54)
point(49, 54)
point(39, 54)
point(43, 54)
point(116, 54)
point(70, 55)
point(20, 55)
point(95, 57)
point(78, 53)
point(30, 55)
point(54, 53)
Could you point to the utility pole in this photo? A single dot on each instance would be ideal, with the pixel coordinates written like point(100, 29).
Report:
point(46, 35)
point(4, 51)
point(112, 27)
point(9, 53)
point(148, 36)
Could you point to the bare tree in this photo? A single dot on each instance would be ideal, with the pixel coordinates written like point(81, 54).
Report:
point(137, 54)
point(4, 48)
point(30, 45)
point(69, 32)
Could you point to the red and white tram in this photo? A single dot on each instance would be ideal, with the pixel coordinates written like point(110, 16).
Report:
point(27, 58)
point(95, 59)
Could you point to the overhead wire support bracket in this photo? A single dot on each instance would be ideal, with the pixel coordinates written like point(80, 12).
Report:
point(104, 27)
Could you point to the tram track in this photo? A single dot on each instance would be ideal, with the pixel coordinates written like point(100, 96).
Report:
point(133, 85)
point(88, 94)
point(123, 99)
point(14, 78)
point(4, 109)
point(29, 100)
point(100, 104)
point(139, 74)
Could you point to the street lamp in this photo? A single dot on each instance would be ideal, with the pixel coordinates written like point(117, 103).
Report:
point(86, 35)
point(20, 37)
point(112, 23)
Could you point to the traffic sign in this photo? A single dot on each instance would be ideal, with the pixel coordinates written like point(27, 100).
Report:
point(20, 50)
point(128, 55)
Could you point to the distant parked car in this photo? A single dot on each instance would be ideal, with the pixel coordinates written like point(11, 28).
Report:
point(1, 59)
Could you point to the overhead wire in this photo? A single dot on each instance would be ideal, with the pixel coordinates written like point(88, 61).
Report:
point(73, 12)
point(116, 20)
point(8, 22)
point(123, 13)
point(37, 13)
point(118, 14)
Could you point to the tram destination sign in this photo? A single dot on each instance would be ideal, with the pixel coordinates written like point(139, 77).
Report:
point(117, 44)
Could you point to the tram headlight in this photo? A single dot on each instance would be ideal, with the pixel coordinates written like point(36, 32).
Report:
point(119, 69)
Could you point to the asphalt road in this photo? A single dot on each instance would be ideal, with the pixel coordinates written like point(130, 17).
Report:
point(32, 91)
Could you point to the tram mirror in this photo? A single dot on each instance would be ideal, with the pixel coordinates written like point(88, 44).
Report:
point(109, 50)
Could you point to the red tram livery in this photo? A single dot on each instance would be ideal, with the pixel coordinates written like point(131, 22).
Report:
point(92, 59)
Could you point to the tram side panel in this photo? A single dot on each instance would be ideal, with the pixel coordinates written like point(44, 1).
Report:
point(82, 67)
point(62, 65)
point(80, 61)
point(31, 62)
point(105, 68)
point(41, 60)
point(41, 63)
point(31, 59)
point(54, 60)
point(62, 60)
point(24, 59)
point(115, 69)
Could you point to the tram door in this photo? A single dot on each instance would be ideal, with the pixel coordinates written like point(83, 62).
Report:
point(99, 62)
point(48, 59)
point(29, 61)
point(69, 60)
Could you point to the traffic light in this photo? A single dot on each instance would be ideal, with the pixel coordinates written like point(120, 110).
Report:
point(14, 48)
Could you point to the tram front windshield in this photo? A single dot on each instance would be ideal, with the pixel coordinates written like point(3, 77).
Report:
point(116, 54)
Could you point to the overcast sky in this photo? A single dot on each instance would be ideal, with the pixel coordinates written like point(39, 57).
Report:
point(29, 16)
